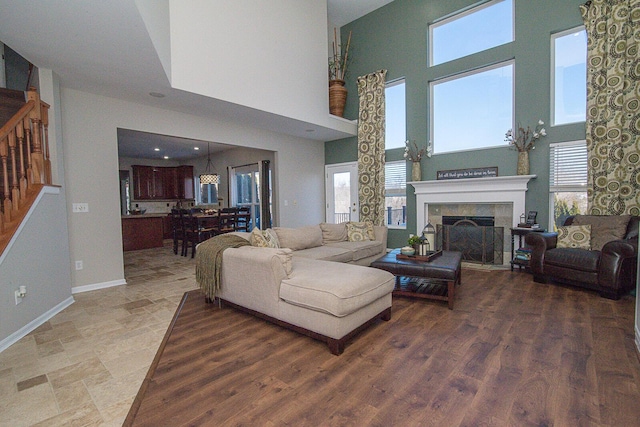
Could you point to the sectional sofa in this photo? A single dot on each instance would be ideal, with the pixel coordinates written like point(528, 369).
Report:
point(314, 280)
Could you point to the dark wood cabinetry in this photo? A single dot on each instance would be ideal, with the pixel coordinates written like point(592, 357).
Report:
point(162, 183)
point(141, 232)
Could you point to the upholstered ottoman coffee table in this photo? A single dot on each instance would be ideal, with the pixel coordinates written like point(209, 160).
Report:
point(433, 279)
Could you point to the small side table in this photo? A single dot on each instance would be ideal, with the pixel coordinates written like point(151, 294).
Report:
point(521, 232)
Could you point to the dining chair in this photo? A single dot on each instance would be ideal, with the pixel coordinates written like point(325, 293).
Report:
point(227, 220)
point(194, 232)
point(243, 218)
point(177, 230)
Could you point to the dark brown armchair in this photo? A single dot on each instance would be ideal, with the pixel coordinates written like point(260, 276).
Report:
point(609, 268)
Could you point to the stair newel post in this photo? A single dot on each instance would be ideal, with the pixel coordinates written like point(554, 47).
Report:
point(45, 126)
point(6, 201)
point(21, 149)
point(15, 192)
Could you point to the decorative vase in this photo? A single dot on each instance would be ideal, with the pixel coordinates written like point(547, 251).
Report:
point(523, 163)
point(416, 174)
point(337, 97)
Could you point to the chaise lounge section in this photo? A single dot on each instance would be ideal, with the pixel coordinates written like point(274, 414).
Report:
point(319, 289)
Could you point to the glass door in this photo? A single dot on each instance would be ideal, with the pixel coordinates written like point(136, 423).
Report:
point(341, 192)
point(245, 185)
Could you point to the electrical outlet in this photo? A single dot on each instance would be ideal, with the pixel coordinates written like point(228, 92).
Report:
point(79, 265)
point(80, 207)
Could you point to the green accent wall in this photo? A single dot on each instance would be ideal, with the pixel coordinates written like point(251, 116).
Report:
point(395, 38)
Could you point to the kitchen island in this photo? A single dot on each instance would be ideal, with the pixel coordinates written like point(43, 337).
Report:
point(145, 231)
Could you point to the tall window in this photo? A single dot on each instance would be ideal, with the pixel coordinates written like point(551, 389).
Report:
point(395, 196)
point(472, 110)
point(396, 115)
point(471, 31)
point(567, 180)
point(569, 86)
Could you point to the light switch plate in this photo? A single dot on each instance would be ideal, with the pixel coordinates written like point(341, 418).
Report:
point(80, 207)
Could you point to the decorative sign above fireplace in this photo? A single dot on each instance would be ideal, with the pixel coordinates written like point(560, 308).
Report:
point(491, 172)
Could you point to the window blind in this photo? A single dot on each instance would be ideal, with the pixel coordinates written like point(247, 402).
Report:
point(395, 178)
point(568, 169)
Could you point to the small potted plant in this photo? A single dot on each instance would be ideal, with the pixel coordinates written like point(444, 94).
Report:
point(413, 244)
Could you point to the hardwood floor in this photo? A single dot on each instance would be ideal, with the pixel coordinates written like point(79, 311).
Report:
point(511, 353)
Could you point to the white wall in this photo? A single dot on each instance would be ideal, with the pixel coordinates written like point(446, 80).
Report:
point(38, 258)
point(89, 124)
point(269, 55)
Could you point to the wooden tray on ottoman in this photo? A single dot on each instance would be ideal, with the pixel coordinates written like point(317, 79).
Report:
point(430, 255)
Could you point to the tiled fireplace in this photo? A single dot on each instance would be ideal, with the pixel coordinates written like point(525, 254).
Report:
point(502, 198)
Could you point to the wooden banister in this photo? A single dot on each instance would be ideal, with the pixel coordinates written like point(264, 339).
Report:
point(24, 158)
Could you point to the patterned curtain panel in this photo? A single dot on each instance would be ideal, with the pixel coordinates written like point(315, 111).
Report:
point(371, 121)
point(613, 111)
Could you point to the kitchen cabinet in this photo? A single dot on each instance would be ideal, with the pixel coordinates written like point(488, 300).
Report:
point(162, 183)
point(185, 182)
point(167, 227)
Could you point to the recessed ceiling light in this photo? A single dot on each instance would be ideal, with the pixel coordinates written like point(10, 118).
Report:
point(166, 157)
point(196, 148)
point(157, 94)
point(156, 149)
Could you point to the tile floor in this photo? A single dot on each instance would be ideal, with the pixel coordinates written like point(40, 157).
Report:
point(86, 364)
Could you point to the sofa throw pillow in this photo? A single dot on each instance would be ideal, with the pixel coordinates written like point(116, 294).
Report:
point(604, 228)
point(264, 239)
point(574, 236)
point(299, 238)
point(332, 233)
point(360, 231)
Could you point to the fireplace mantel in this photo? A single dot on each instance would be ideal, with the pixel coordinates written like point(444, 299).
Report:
point(502, 189)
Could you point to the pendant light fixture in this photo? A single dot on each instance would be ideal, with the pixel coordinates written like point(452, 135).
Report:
point(209, 177)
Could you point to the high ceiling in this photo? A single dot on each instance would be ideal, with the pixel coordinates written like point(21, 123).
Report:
point(102, 47)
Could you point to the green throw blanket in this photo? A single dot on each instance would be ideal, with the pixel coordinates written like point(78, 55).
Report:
point(209, 261)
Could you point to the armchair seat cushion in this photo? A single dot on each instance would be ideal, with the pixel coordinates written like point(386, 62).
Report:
point(576, 259)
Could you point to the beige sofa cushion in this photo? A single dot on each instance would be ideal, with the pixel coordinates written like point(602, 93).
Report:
point(333, 232)
point(321, 286)
point(360, 250)
point(299, 238)
point(326, 253)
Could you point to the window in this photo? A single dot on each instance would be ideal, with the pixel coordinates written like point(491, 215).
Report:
point(208, 193)
point(567, 181)
point(471, 31)
point(396, 115)
point(472, 110)
point(395, 194)
point(569, 85)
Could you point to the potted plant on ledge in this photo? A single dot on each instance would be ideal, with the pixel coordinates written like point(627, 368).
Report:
point(337, 72)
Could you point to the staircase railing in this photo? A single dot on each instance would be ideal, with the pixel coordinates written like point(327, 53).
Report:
point(24, 157)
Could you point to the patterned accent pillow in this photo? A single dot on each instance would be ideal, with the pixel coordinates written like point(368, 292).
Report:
point(264, 239)
point(360, 231)
point(574, 236)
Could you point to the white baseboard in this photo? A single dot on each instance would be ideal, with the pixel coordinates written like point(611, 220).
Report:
point(22, 332)
point(95, 286)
